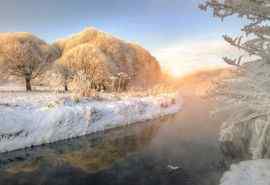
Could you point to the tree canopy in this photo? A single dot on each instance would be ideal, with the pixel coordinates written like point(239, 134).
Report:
point(25, 56)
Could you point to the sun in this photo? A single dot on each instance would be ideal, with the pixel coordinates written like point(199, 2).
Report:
point(176, 71)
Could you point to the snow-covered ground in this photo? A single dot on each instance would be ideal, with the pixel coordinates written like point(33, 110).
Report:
point(255, 172)
point(28, 119)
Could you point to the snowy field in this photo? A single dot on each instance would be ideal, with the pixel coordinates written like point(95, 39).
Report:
point(29, 119)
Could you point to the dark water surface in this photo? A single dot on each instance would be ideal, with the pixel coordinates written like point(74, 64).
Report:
point(177, 150)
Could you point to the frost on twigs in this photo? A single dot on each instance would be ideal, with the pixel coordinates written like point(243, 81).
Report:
point(246, 132)
point(245, 97)
point(255, 39)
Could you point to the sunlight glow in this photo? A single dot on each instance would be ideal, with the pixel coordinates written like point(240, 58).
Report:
point(183, 58)
point(175, 71)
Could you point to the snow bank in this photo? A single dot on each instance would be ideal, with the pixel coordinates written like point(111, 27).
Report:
point(27, 124)
point(246, 99)
point(256, 172)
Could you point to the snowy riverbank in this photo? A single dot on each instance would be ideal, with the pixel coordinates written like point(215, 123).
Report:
point(37, 119)
point(248, 173)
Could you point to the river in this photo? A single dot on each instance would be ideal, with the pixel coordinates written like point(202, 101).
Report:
point(182, 149)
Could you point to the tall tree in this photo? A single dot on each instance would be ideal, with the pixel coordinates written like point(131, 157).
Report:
point(246, 100)
point(24, 56)
point(256, 33)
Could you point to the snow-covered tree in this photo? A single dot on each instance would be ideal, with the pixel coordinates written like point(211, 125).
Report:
point(122, 56)
point(24, 56)
point(90, 66)
point(256, 33)
point(64, 74)
point(245, 96)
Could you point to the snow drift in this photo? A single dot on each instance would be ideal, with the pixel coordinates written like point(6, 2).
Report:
point(248, 173)
point(24, 125)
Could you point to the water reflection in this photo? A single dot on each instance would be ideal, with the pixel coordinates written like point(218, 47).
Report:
point(94, 159)
point(178, 150)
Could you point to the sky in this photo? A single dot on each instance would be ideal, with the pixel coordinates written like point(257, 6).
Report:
point(176, 32)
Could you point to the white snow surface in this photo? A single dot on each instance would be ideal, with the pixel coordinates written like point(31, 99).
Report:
point(255, 172)
point(30, 119)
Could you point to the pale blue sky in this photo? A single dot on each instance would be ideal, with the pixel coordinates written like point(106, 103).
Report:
point(155, 24)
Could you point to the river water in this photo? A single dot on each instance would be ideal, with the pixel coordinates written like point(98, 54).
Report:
point(182, 149)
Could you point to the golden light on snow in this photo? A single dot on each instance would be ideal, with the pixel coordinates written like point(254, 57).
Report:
point(186, 57)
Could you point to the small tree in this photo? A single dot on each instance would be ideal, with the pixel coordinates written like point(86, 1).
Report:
point(66, 74)
point(89, 64)
point(256, 37)
point(24, 58)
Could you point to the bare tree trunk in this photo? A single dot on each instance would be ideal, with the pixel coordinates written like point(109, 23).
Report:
point(66, 87)
point(28, 84)
point(120, 83)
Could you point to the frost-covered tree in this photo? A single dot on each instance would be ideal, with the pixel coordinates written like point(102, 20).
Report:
point(122, 56)
point(65, 74)
point(120, 82)
point(24, 56)
point(245, 97)
point(90, 66)
point(256, 33)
